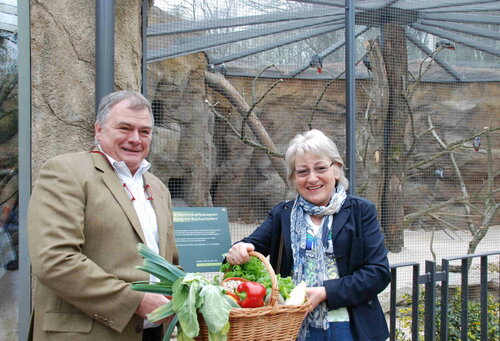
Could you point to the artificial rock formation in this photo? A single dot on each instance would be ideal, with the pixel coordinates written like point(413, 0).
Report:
point(63, 71)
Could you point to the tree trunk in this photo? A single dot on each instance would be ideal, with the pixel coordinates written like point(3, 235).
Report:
point(395, 59)
point(370, 135)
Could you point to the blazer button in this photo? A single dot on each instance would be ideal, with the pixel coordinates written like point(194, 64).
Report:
point(111, 322)
point(96, 316)
point(138, 329)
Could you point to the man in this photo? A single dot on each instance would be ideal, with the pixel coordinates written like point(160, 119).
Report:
point(87, 213)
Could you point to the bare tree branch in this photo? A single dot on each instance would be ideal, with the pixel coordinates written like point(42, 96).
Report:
point(243, 139)
point(409, 218)
point(491, 206)
point(256, 102)
point(411, 90)
point(457, 144)
point(463, 188)
point(219, 84)
point(320, 97)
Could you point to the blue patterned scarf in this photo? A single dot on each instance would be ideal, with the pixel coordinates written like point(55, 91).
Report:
point(298, 229)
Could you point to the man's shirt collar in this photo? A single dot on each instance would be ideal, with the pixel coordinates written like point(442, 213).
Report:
point(121, 167)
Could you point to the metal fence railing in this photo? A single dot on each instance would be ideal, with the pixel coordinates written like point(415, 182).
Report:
point(432, 304)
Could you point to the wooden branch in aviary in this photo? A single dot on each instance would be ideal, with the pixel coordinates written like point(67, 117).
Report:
point(221, 85)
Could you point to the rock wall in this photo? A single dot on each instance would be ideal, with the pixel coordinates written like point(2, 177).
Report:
point(182, 150)
point(63, 71)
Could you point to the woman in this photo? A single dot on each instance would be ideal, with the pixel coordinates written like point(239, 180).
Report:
point(328, 239)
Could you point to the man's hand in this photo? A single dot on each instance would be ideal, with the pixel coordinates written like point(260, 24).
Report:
point(149, 303)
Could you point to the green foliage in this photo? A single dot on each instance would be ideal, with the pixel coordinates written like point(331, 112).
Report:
point(454, 318)
point(255, 271)
point(191, 294)
point(285, 285)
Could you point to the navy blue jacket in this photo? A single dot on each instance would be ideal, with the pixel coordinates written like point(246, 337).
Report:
point(361, 261)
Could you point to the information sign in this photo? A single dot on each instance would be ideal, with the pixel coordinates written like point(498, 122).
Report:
point(202, 237)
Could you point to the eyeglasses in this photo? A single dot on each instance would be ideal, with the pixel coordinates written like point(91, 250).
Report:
point(148, 192)
point(305, 172)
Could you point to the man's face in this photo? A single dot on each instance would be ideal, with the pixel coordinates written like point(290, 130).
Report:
point(126, 134)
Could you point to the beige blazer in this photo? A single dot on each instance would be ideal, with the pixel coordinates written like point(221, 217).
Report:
point(83, 234)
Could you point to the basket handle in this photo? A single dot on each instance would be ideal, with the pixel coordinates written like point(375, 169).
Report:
point(274, 283)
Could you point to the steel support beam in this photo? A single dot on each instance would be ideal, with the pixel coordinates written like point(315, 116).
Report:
point(179, 27)
point(464, 9)
point(350, 59)
point(198, 44)
point(450, 6)
point(24, 147)
point(104, 49)
point(327, 52)
point(440, 61)
point(290, 40)
point(475, 31)
point(457, 38)
point(462, 18)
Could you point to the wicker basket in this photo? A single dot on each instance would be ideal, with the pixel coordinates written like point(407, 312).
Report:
point(269, 323)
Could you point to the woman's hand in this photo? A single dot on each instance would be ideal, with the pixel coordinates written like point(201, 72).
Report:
point(238, 253)
point(315, 295)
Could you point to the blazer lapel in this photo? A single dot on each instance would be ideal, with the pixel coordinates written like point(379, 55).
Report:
point(340, 218)
point(159, 202)
point(115, 186)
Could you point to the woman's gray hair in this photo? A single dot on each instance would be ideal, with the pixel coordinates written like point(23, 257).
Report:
point(136, 102)
point(315, 142)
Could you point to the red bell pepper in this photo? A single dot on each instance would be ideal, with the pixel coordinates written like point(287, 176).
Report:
point(251, 294)
point(235, 297)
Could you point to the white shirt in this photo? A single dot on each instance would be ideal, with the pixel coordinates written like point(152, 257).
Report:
point(143, 207)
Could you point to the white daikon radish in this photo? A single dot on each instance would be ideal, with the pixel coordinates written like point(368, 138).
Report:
point(297, 295)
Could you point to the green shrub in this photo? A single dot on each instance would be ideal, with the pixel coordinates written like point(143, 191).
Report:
point(454, 318)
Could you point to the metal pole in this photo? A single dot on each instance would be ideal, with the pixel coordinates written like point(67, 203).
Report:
point(350, 57)
point(104, 49)
point(415, 299)
point(445, 299)
point(24, 143)
point(464, 311)
point(484, 298)
point(144, 62)
point(392, 304)
point(430, 299)
point(144, 59)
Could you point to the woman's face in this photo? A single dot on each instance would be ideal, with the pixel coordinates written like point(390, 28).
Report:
point(315, 178)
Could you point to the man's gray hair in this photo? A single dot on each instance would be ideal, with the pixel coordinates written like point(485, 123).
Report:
point(315, 142)
point(136, 102)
